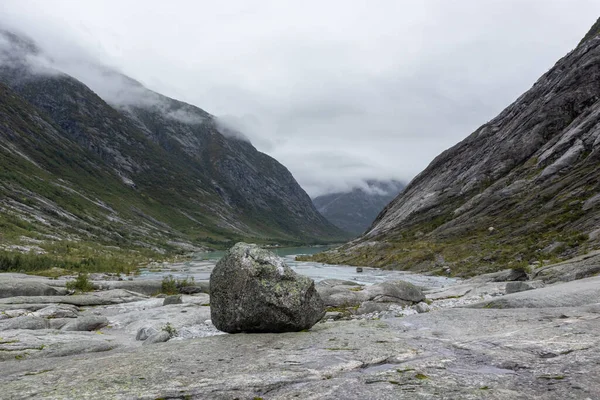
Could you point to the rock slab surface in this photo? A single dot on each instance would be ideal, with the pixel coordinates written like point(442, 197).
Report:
point(253, 290)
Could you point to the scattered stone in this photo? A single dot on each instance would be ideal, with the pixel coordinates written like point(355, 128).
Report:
point(342, 296)
point(157, 337)
point(253, 290)
point(175, 299)
point(332, 316)
point(359, 269)
point(395, 292)
point(197, 287)
point(422, 307)
point(369, 307)
point(145, 332)
point(514, 287)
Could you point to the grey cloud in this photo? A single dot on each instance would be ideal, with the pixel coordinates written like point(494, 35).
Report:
point(339, 91)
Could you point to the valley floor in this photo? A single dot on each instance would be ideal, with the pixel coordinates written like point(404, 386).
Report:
point(475, 342)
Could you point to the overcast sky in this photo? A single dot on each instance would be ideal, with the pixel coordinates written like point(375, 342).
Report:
point(337, 91)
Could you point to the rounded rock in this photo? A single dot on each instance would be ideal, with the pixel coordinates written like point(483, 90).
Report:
point(253, 290)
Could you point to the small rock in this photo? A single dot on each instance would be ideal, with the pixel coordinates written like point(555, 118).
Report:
point(359, 269)
point(396, 292)
point(369, 307)
point(422, 307)
point(145, 332)
point(332, 315)
point(158, 337)
point(176, 299)
point(519, 286)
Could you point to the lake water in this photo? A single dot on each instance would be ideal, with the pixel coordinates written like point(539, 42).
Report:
point(201, 267)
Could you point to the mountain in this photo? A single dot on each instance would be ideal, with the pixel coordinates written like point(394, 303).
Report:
point(131, 168)
point(523, 187)
point(356, 210)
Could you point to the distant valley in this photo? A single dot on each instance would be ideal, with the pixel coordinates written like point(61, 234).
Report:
point(521, 189)
point(355, 211)
point(137, 170)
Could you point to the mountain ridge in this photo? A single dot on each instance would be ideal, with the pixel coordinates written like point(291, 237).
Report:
point(522, 188)
point(170, 180)
point(355, 210)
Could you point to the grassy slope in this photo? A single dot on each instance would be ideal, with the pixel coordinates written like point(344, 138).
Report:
point(59, 196)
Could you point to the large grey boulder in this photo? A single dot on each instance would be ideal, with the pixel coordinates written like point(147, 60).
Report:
point(253, 290)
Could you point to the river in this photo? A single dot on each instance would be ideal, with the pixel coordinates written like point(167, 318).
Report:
point(201, 266)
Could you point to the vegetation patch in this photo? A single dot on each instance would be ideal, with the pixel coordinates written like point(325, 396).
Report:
point(170, 285)
point(81, 283)
point(170, 329)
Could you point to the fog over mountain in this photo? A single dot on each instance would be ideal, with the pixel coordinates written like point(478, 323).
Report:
point(340, 92)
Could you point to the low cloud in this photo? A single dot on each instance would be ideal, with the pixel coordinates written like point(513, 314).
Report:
point(19, 51)
point(349, 93)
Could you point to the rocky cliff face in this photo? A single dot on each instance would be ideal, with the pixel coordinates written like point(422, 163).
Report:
point(522, 187)
point(356, 210)
point(154, 173)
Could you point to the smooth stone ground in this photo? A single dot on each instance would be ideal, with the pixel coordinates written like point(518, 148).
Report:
point(576, 268)
point(571, 294)
point(341, 294)
point(115, 296)
point(550, 350)
point(13, 288)
point(549, 353)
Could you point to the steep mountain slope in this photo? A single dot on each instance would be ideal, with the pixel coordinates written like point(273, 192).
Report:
point(523, 187)
point(154, 173)
point(356, 210)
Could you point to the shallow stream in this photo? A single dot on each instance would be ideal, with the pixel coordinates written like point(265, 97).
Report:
point(201, 267)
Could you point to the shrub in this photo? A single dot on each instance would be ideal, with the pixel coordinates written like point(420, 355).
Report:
point(171, 285)
point(170, 329)
point(81, 283)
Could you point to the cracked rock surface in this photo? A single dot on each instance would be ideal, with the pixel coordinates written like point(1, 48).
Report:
point(549, 350)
